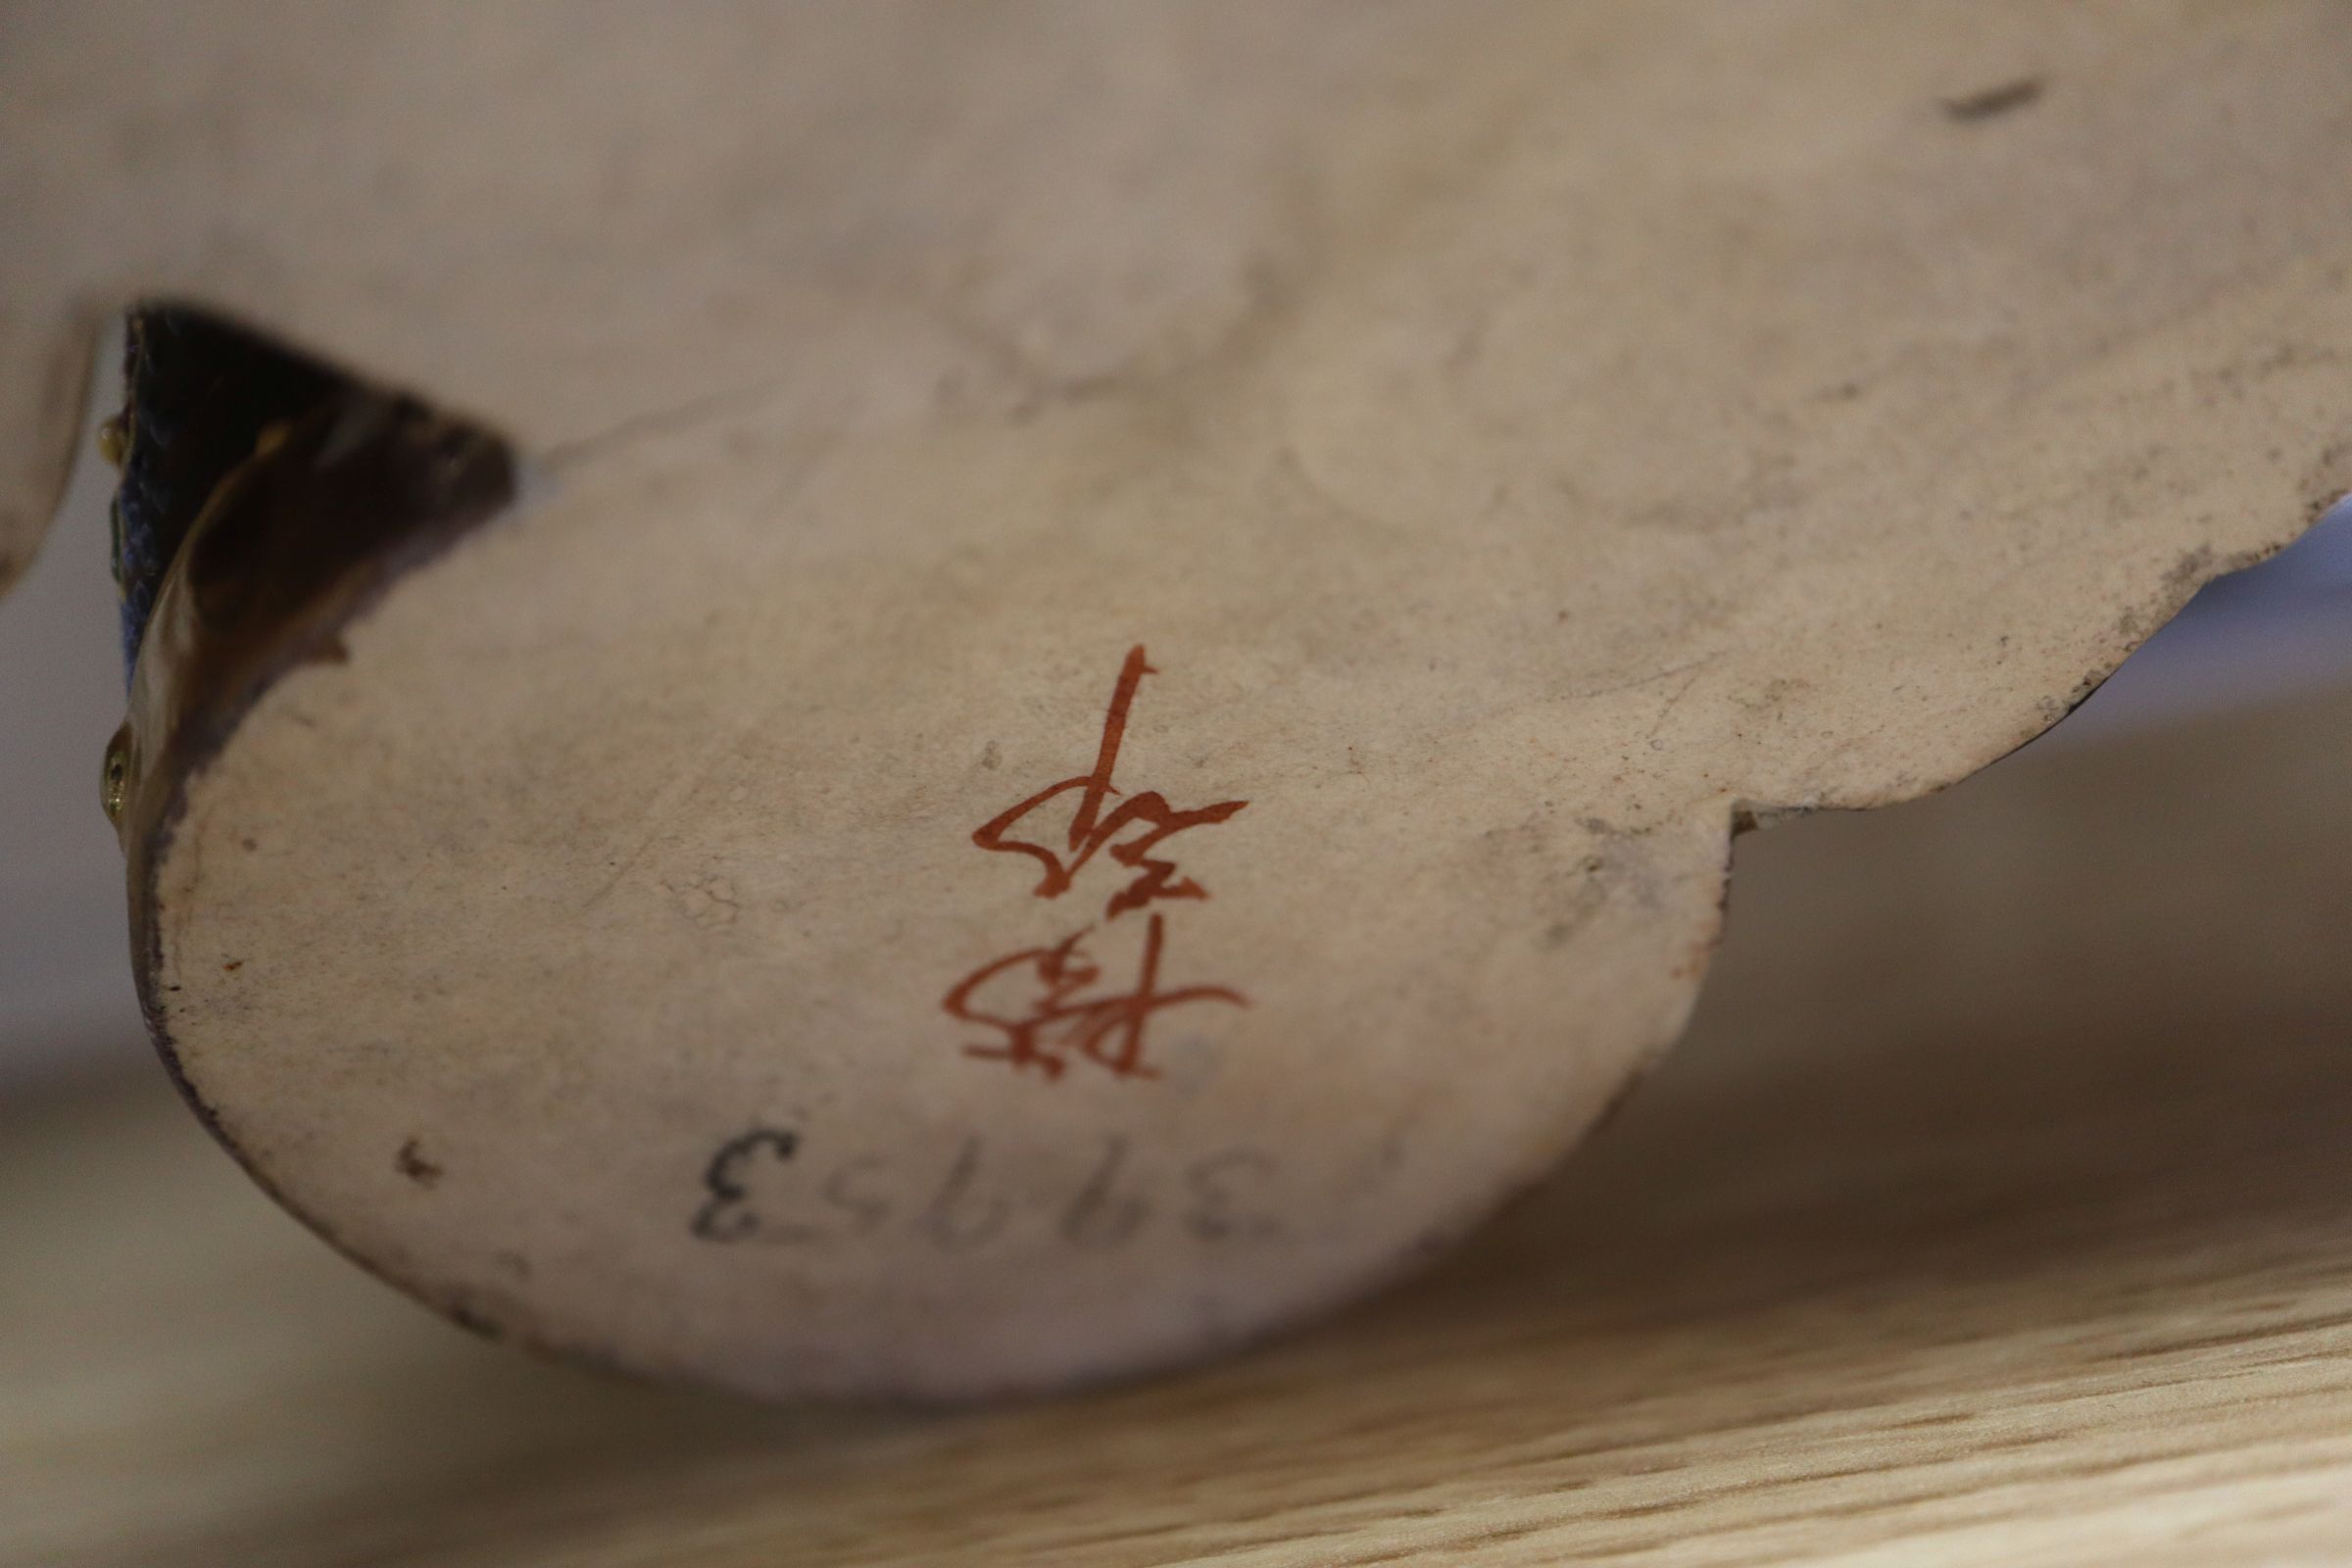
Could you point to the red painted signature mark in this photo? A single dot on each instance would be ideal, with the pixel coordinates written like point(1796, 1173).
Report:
point(1106, 1030)
point(1058, 1019)
point(1092, 830)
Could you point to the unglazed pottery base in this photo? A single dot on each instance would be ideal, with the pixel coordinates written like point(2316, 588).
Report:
point(1127, 641)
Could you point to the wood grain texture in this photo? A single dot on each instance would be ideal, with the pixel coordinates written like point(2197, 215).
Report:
point(1994, 1212)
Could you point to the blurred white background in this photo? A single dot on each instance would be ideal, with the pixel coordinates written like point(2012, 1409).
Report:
point(66, 1002)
